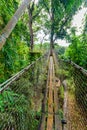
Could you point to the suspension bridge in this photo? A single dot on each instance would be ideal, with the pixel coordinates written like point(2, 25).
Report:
point(42, 81)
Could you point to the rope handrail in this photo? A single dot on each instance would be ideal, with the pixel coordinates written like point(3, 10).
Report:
point(75, 76)
point(26, 87)
point(84, 71)
point(5, 84)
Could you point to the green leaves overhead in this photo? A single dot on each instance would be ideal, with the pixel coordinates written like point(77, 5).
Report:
point(63, 10)
point(77, 51)
point(63, 13)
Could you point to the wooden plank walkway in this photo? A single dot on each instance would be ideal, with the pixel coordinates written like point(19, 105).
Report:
point(57, 122)
point(56, 118)
point(50, 119)
point(50, 96)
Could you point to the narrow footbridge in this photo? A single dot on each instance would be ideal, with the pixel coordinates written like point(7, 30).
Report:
point(42, 88)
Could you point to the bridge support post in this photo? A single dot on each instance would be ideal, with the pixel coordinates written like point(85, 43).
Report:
point(63, 123)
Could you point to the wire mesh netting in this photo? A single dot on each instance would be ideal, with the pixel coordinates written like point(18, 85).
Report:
point(21, 97)
point(76, 79)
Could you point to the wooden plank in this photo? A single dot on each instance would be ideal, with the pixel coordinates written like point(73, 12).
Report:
point(43, 119)
point(50, 97)
point(56, 87)
point(65, 102)
point(57, 121)
point(44, 102)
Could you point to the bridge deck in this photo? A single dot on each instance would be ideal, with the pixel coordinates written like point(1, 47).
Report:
point(50, 96)
point(54, 83)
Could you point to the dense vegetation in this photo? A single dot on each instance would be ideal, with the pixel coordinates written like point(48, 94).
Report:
point(19, 51)
point(15, 55)
point(77, 50)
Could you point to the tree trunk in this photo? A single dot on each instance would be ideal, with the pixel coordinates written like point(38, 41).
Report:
point(30, 28)
point(11, 24)
point(52, 28)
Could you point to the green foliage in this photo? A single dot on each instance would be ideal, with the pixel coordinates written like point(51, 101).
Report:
point(15, 54)
point(62, 19)
point(7, 13)
point(77, 51)
point(13, 104)
point(60, 114)
point(20, 104)
point(17, 104)
point(61, 96)
point(61, 92)
point(13, 57)
point(71, 85)
point(60, 50)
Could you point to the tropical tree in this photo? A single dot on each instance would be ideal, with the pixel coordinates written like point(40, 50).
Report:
point(77, 50)
point(11, 24)
point(33, 11)
point(59, 20)
point(14, 55)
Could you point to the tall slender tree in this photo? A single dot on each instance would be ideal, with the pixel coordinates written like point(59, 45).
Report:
point(60, 12)
point(11, 24)
point(30, 11)
point(33, 11)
